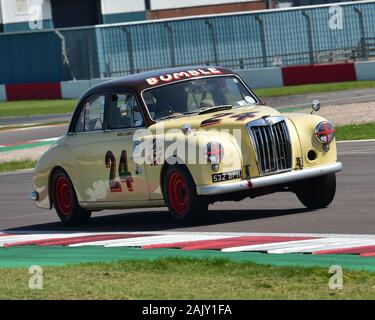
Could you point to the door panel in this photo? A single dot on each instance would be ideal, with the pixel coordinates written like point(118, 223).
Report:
point(88, 150)
point(87, 142)
point(126, 181)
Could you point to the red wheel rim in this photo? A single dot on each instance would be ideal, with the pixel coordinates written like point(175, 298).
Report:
point(178, 192)
point(63, 195)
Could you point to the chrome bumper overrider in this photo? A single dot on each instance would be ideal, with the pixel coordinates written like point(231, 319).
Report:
point(276, 179)
point(33, 195)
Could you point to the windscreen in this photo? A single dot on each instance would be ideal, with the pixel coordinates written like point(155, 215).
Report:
point(194, 96)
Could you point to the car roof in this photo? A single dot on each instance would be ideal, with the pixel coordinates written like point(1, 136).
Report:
point(138, 82)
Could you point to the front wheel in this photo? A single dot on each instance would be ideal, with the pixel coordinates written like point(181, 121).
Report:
point(65, 200)
point(317, 192)
point(180, 195)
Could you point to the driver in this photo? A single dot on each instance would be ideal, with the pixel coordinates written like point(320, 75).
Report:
point(171, 100)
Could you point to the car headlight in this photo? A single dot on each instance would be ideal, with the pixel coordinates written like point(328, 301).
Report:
point(325, 132)
point(214, 152)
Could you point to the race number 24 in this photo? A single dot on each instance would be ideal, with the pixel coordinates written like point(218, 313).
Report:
point(123, 172)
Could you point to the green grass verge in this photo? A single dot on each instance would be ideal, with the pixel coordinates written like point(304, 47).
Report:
point(16, 165)
point(39, 107)
point(176, 278)
point(314, 88)
point(356, 131)
point(36, 107)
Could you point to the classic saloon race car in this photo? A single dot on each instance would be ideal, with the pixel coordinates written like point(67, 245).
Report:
point(182, 138)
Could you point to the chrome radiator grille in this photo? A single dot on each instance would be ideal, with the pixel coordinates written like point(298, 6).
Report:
point(271, 140)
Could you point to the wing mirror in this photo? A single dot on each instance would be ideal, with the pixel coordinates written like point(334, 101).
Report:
point(315, 106)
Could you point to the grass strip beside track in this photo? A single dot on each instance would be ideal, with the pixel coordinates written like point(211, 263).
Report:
point(314, 88)
point(356, 131)
point(28, 255)
point(159, 275)
point(17, 165)
point(36, 107)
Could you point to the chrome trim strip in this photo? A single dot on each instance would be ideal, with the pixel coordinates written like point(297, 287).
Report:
point(266, 181)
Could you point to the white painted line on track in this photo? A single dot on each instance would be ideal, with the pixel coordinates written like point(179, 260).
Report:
point(47, 139)
point(173, 239)
point(35, 237)
point(287, 245)
point(149, 240)
point(350, 141)
point(329, 246)
point(20, 126)
point(16, 172)
point(320, 242)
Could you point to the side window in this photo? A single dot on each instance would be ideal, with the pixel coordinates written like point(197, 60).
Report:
point(124, 112)
point(80, 124)
point(91, 117)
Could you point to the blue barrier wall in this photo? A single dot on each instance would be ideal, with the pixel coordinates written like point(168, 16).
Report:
point(240, 41)
point(30, 57)
point(251, 40)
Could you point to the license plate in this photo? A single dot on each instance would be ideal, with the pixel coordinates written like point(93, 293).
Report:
point(219, 177)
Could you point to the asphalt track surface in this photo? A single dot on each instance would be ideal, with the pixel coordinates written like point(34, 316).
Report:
point(15, 136)
point(352, 211)
point(326, 98)
point(283, 102)
point(48, 118)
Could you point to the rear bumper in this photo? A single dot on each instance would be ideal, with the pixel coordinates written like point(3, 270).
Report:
point(267, 181)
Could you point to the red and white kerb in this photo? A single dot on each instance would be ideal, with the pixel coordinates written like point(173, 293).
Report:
point(182, 75)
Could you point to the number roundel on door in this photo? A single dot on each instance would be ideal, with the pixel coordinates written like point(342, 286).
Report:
point(123, 171)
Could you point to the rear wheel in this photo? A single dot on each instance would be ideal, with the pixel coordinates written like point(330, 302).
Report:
point(317, 192)
point(65, 201)
point(180, 195)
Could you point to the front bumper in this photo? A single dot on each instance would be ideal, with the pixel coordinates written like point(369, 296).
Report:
point(267, 181)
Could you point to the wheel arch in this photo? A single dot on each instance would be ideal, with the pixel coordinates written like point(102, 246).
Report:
point(50, 177)
point(166, 165)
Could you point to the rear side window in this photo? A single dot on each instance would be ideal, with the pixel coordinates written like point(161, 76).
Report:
point(91, 117)
point(124, 112)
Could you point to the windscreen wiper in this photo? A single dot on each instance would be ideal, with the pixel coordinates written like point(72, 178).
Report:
point(178, 115)
point(217, 108)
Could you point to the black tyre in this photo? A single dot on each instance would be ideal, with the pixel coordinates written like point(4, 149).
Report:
point(180, 195)
point(317, 192)
point(65, 201)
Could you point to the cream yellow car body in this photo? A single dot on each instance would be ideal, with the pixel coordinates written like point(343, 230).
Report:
point(301, 128)
point(81, 156)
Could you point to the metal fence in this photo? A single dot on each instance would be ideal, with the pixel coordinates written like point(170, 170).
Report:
point(248, 40)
